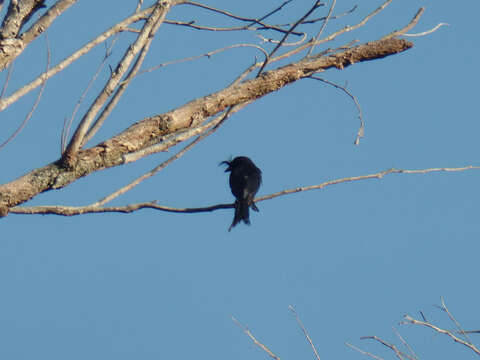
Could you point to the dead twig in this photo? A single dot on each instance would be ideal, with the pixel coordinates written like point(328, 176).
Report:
point(410, 320)
point(37, 100)
point(305, 332)
point(255, 341)
point(361, 130)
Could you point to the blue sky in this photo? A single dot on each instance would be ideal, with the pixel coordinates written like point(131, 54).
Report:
point(352, 258)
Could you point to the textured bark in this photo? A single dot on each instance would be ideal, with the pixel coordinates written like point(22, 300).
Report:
point(12, 43)
point(150, 131)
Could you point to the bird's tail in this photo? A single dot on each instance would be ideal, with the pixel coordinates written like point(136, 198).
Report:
point(241, 213)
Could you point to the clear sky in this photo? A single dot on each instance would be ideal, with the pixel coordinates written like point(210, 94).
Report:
point(352, 258)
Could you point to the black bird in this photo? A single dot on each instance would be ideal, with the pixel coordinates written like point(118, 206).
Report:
point(245, 179)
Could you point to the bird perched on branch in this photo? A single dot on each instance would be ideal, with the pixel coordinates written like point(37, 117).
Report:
point(245, 179)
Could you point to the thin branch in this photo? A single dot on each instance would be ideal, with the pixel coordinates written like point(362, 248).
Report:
point(158, 14)
point(69, 210)
point(241, 18)
point(121, 26)
point(208, 55)
point(397, 352)
point(363, 351)
point(444, 308)
point(292, 28)
point(67, 126)
point(121, 88)
point(322, 27)
point(255, 341)
point(410, 25)
point(410, 320)
point(58, 8)
point(81, 210)
point(428, 31)
point(273, 41)
point(361, 130)
point(37, 100)
point(305, 332)
point(405, 343)
point(334, 35)
point(313, 21)
point(139, 6)
point(7, 80)
point(378, 175)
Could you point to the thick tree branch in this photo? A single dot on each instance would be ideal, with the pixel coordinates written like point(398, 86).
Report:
point(151, 130)
point(12, 43)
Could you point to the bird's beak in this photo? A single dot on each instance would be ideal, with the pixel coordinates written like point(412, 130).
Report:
point(228, 169)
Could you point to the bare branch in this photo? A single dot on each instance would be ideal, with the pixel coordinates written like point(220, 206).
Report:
point(69, 210)
point(410, 25)
point(361, 130)
point(208, 55)
point(444, 308)
point(405, 343)
point(363, 351)
point(67, 126)
point(176, 138)
point(400, 355)
point(13, 45)
point(152, 130)
point(322, 27)
point(410, 320)
point(428, 31)
point(378, 175)
point(7, 80)
point(255, 341)
point(305, 332)
point(292, 28)
point(121, 26)
point(142, 41)
point(37, 100)
point(240, 18)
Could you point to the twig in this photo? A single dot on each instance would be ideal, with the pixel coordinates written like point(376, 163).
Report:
point(397, 352)
point(332, 36)
point(428, 31)
point(208, 55)
point(378, 175)
point(37, 100)
point(313, 21)
point(361, 130)
point(410, 25)
point(405, 343)
point(410, 320)
point(273, 41)
point(155, 19)
point(363, 351)
point(139, 6)
point(241, 18)
point(121, 26)
point(305, 332)
point(68, 210)
point(444, 308)
point(292, 28)
point(122, 86)
point(7, 80)
point(322, 27)
point(255, 341)
point(67, 125)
